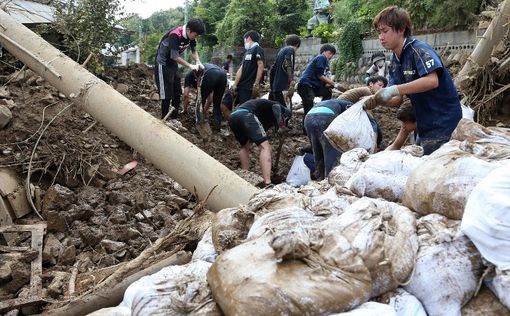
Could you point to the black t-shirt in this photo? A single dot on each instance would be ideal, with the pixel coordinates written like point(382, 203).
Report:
point(268, 112)
point(190, 80)
point(172, 45)
point(249, 73)
point(279, 77)
point(226, 65)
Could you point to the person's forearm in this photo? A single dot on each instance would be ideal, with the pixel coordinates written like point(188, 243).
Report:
point(399, 141)
point(260, 71)
point(327, 80)
point(419, 85)
point(238, 75)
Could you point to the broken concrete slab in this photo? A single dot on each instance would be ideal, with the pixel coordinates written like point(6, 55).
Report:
point(19, 203)
point(8, 181)
point(52, 249)
point(57, 198)
point(11, 188)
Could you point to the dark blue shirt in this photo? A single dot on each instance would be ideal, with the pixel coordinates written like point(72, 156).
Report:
point(250, 66)
point(438, 110)
point(279, 77)
point(316, 68)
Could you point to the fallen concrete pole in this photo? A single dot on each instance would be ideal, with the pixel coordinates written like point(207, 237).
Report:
point(167, 150)
point(483, 50)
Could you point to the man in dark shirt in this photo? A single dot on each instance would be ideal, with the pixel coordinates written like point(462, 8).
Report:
point(170, 48)
point(249, 123)
point(226, 64)
point(212, 81)
point(281, 75)
point(249, 75)
point(315, 80)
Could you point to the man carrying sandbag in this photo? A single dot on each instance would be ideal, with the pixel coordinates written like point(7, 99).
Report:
point(249, 123)
point(323, 113)
point(417, 71)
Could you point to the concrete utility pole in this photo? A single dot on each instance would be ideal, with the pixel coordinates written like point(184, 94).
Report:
point(167, 150)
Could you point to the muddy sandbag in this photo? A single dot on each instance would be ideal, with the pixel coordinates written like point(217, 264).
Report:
point(499, 283)
point(279, 197)
point(352, 129)
point(384, 233)
point(484, 303)
point(281, 220)
point(112, 311)
point(174, 290)
point(404, 303)
point(205, 249)
point(443, 181)
point(290, 273)
point(370, 309)
point(486, 218)
point(350, 162)
point(492, 143)
point(448, 268)
point(384, 175)
point(230, 227)
point(330, 203)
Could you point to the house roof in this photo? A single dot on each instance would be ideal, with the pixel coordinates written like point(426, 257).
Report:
point(28, 12)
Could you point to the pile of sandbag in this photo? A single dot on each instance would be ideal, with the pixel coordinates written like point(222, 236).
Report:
point(443, 181)
point(350, 162)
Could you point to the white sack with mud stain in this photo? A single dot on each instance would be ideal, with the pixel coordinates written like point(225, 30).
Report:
point(352, 129)
point(370, 309)
point(448, 268)
point(350, 162)
point(384, 234)
point(384, 175)
point(307, 272)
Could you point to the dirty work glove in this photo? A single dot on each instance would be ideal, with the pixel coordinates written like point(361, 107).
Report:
point(385, 94)
point(194, 67)
point(255, 92)
point(200, 66)
point(370, 103)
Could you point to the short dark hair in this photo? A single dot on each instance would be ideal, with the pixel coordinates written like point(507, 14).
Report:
point(254, 35)
point(394, 17)
point(196, 25)
point(229, 56)
point(293, 40)
point(406, 114)
point(374, 79)
point(328, 47)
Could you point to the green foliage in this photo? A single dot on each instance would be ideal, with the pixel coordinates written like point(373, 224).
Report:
point(211, 12)
point(242, 16)
point(349, 47)
point(326, 32)
point(288, 17)
point(150, 46)
point(86, 25)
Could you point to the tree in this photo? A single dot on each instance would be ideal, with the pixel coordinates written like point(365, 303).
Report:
point(242, 16)
point(87, 26)
point(288, 17)
point(211, 12)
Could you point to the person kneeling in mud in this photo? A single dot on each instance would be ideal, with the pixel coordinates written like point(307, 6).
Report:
point(249, 123)
point(316, 122)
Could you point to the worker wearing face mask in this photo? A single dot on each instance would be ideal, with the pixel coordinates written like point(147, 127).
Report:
point(247, 83)
point(380, 66)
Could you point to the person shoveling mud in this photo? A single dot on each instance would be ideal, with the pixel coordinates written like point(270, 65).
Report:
point(210, 84)
point(249, 123)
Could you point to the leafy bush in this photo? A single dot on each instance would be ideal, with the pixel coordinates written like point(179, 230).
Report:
point(325, 32)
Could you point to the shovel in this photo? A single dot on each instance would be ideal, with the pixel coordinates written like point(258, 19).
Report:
point(203, 127)
point(277, 178)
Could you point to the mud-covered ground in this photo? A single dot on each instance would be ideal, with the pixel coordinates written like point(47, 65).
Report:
point(97, 218)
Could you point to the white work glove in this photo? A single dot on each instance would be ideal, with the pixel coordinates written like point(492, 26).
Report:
point(194, 67)
point(385, 94)
point(200, 66)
